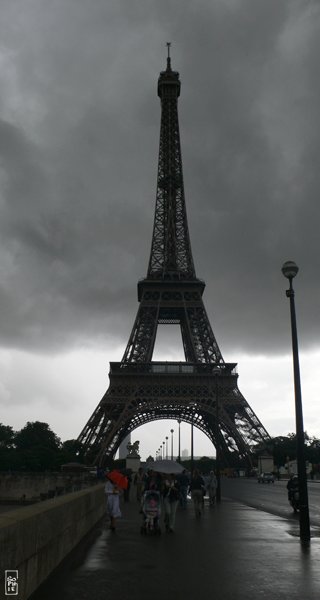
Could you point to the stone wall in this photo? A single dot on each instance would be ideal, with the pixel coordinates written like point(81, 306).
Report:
point(35, 539)
point(32, 486)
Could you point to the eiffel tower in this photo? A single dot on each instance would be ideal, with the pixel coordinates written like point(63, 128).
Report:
point(202, 390)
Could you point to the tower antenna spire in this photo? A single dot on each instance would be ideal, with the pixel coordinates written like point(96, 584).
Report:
point(168, 57)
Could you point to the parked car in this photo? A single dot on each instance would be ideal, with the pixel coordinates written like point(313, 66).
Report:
point(266, 478)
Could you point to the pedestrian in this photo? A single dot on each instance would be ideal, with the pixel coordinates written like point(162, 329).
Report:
point(113, 502)
point(170, 494)
point(212, 488)
point(184, 485)
point(126, 492)
point(139, 483)
point(197, 489)
point(153, 481)
point(292, 486)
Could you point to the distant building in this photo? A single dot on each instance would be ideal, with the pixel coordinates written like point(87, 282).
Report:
point(123, 450)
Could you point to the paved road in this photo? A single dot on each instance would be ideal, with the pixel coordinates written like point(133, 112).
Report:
point(271, 498)
point(233, 552)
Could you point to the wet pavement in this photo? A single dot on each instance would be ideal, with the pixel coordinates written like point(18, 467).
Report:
point(271, 498)
point(231, 552)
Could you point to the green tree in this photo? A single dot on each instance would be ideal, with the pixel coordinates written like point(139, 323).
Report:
point(203, 464)
point(7, 453)
point(71, 451)
point(284, 447)
point(206, 464)
point(38, 447)
point(6, 436)
point(313, 451)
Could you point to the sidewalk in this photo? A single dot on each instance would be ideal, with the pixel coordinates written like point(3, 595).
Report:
point(232, 552)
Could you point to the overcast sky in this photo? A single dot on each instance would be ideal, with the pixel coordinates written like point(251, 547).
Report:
point(79, 135)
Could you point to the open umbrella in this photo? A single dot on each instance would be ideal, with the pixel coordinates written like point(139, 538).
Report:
point(120, 480)
point(165, 466)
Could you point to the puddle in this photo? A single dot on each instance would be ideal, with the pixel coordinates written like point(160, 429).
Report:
point(314, 533)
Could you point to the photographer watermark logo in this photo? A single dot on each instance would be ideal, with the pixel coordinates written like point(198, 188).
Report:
point(11, 583)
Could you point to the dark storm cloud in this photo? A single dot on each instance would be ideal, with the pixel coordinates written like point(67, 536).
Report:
point(79, 144)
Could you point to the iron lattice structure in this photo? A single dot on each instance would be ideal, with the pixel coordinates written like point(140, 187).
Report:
point(202, 390)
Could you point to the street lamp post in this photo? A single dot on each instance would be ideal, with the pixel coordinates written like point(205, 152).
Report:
point(171, 431)
point(290, 270)
point(166, 447)
point(179, 442)
point(192, 458)
point(216, 372)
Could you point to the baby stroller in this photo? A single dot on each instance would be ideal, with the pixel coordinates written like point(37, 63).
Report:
point(151, 512)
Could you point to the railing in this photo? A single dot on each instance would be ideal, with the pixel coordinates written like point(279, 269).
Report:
point(159, 368)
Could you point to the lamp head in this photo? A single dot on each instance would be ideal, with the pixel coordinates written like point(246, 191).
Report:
point(289, 269)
